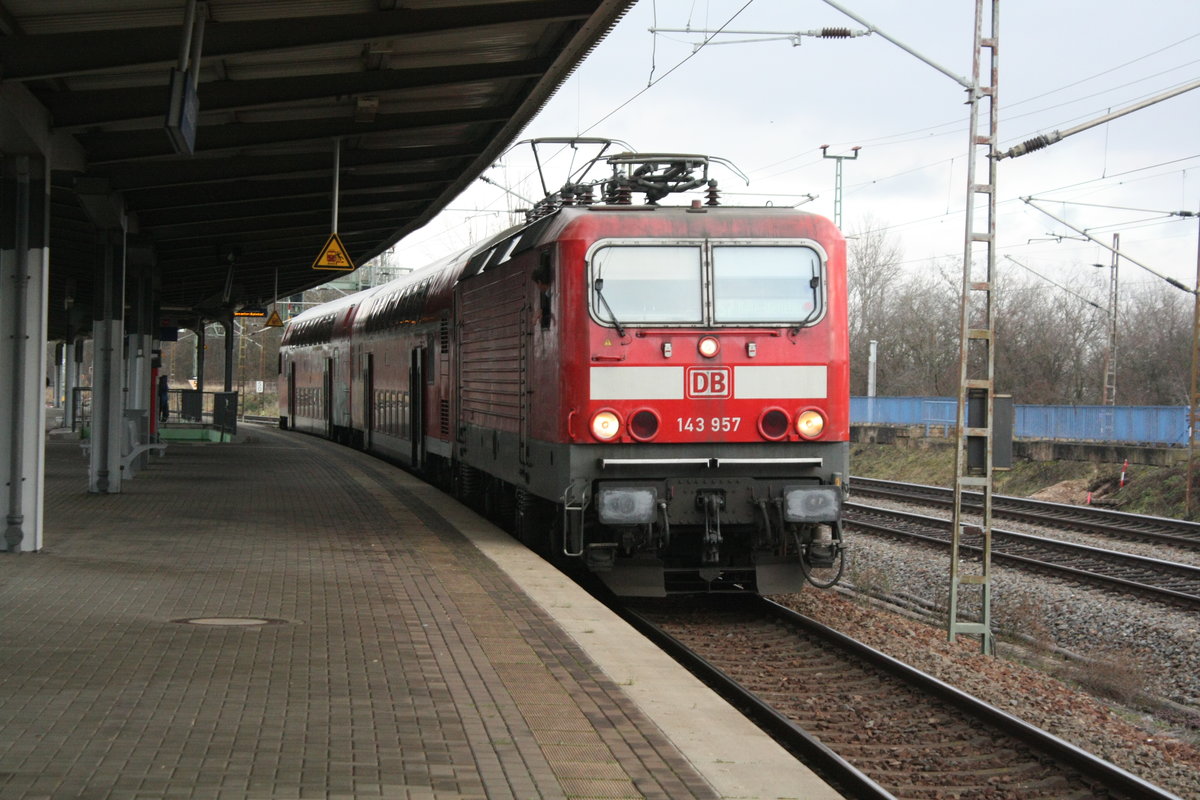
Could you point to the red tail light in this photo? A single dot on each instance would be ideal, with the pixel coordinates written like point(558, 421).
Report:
point(644, 425)
point(774, 423)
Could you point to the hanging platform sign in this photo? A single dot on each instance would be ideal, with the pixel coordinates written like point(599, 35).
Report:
point(183, 112)
point(273, 321)
point(334, 256)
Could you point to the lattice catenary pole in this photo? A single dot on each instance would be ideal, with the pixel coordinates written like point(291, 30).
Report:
point(976, 392)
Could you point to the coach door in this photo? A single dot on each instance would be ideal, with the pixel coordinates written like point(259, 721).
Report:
point(291, 395)
point(368, 393)
point(523, 385)
point(416, 405)
point(327, 392)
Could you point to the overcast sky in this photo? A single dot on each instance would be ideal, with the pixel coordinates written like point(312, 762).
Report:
point(768, 106)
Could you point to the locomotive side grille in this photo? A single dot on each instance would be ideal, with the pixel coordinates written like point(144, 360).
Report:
point(444, 336)
point(444, 417)
point(490, 350)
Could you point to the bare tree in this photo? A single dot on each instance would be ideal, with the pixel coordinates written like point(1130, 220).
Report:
point(873, 275)
point(918, 344)
point(1154, 345)
point(1049, 344)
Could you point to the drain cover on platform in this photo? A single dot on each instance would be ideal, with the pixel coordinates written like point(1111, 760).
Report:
point(230, 622)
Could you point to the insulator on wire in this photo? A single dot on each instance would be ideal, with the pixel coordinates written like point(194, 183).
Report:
point(618, 193)
point(835, 33)
point(1030, 145)
point(713, 195)
point(1036, 143)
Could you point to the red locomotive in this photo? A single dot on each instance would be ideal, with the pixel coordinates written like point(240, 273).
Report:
point(658, 392)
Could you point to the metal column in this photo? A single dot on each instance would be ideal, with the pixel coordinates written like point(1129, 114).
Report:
point(976, 392)
point(1194, 409)
point(60, 363)
point(108, 331)
point(837, 181)
point(23, 298)
point(139, 344)
point(201, 346)
point(1109, 391)
point(1110, 353)
point(227, 325)
point(70, 380)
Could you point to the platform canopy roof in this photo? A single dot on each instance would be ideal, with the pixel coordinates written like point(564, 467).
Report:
point(422, 94)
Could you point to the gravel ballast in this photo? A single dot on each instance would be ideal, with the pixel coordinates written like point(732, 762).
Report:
point(1143, 658)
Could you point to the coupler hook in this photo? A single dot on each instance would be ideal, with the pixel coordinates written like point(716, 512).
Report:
point(712, 503)
point(824, 553)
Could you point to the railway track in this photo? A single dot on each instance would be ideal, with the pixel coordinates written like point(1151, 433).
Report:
point(1162, 580)
point(1088, 519)
point(869, 724)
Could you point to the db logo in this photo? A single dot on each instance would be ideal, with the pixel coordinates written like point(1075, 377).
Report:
point(709, 382)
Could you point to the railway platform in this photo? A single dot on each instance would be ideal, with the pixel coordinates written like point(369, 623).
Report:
point(284, 618)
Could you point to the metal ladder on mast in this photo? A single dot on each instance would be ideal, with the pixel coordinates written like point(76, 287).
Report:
point(1107, 413)
point(976, 391)
point(1194, 409)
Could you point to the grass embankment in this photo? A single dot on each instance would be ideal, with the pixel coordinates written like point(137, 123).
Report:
point(1148, 490)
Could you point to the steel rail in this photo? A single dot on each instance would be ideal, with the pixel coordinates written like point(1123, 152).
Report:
point(1120, 524)
point(1088, 765)
point(834, 767)
point(854, 516)
point(843, 775)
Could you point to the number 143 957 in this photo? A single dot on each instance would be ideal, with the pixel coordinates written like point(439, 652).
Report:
point(708, 424)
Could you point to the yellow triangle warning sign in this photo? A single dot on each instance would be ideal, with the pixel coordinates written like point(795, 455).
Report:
point(333, 255)
point(273, 321)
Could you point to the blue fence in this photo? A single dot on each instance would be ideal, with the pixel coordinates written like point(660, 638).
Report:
point(1165, 425)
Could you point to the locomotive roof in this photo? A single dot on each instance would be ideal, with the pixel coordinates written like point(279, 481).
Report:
point(553, 225)
point(690, 216)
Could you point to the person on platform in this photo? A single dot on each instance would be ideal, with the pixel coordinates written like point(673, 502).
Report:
point(164, 409)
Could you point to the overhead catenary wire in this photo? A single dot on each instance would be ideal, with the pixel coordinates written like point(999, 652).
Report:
point(1012, 200)
point(1055, 283)
point(652, 81)
point(1027, 137)
point(1122, 208)
point(882, 141)
point(656, 78)
point(1041, 141)
point(686, 59)
point(1168, 279)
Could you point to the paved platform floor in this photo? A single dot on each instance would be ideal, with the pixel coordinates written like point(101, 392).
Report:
point(397, 659)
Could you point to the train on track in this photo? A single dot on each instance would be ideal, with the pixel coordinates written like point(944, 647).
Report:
point(659, 393)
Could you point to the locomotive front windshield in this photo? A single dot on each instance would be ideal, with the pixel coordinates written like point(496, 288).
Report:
point(706, 284)
point(648, 284)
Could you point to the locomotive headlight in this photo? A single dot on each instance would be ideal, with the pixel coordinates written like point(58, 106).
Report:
point(709, 347)
point(606, 425)
point(810, 423)
point(811, 503)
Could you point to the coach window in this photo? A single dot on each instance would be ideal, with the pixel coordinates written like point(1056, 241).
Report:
point(647, 284)
point(766, 284)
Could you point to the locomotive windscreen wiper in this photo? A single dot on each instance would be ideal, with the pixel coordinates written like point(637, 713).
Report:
point(599, 287)
point(813, 283)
